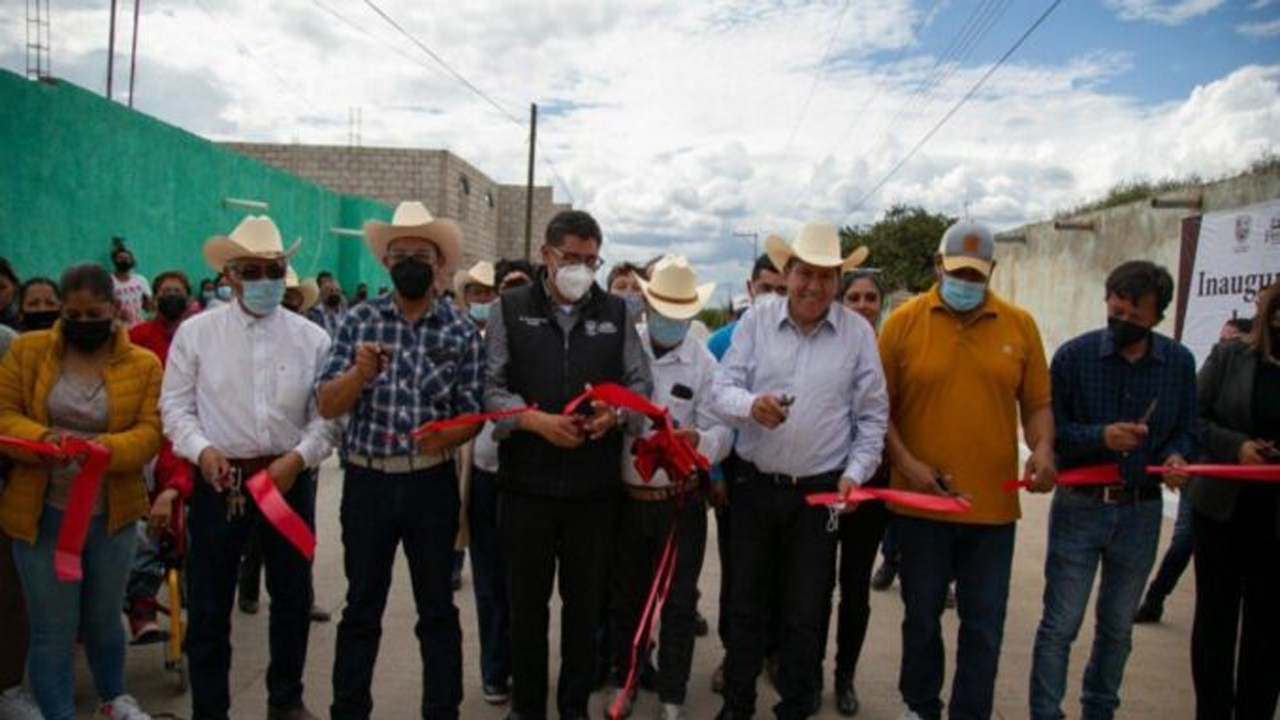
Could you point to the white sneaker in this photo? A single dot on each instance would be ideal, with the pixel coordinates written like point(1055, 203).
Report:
point(671, 711)
point(17, 704)
point(124, 707)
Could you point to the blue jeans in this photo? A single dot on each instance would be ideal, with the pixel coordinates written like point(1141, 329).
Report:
point(979, 558)
point(489, 578)
point(147, 573)
point(1083, 532)
point(58, 609)
point(1176, 558)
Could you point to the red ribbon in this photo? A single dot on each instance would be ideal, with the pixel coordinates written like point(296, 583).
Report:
point(914, 500)
point(466, 420)
point(1110, 474)
point(661, 450)
point(1088, 475)
point(282, 517)
point(84, 490)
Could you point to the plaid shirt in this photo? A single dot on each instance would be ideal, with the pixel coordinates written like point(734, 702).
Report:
point(436, 372)
point(1093, 386)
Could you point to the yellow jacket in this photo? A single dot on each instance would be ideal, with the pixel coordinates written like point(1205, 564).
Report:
point(28, 373)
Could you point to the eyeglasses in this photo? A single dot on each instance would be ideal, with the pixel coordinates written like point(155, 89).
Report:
point(252, 272)
point(593, 262)
point(423, 256)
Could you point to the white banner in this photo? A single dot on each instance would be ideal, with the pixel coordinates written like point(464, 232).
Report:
point(1238, 254)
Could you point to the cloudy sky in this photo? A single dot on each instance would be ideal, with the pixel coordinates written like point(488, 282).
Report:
point(680, 123)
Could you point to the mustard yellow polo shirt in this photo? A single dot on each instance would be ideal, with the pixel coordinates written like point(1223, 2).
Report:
point(954, 393)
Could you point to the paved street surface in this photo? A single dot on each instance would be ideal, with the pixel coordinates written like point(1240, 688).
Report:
point(1157, 684)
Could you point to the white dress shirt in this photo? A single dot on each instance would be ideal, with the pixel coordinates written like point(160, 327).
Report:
point(693, 366)
point(246, 386)
point(841, 410)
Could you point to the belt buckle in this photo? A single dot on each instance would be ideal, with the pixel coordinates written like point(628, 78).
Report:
point(1110, 494)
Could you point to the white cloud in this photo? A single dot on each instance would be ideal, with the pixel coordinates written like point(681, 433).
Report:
point(1164, 12)
point(1266, 29)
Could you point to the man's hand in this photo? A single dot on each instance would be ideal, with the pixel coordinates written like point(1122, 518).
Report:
point(718, 497)
point(371, 359)
point(1041, 471)
point(285, 469)
point(1252, 452)
point(602, 420)
point(768, 411)
point(161, 511)
point(844, 487)
point(693, 437)
point(1124, 436)
point(1175, 480)
point(214, 468)
point(559, 430)
point(920, 479)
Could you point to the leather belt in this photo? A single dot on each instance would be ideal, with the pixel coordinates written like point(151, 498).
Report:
point(249, 467)
point(784, 480)
point(658, 494)
point(1118, 494)
point(398, 464)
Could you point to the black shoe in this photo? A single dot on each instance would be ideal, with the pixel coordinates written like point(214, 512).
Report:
point(320, 615)
point(846, 699)
point(700, 626)
point(496, 694)
point(1148, 612)
point(884, 576)
point(248, 606)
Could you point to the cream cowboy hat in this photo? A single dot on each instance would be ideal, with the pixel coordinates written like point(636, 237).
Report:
point(255, 237)
point(481, 273)
point(412, 219)
point(674, 291)
point(818, 244)
point(309, 289)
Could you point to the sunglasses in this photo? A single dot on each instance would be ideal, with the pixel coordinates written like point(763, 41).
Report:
point(251, 273)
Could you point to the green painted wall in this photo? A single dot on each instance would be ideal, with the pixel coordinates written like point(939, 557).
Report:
point(76, 170)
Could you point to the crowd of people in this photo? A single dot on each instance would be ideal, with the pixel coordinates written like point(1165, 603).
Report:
point(816, 387)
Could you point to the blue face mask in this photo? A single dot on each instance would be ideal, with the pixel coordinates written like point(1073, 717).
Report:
point(262, 297)
point(962, 295)
point(479, 311)
point(665, 332)
point(224, 293)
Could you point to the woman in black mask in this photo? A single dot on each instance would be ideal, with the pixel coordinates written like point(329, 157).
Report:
point(1235, 527)
point(39, 304)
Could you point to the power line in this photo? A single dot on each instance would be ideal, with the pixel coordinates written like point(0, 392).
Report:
point(817, 75)
point(967, 96)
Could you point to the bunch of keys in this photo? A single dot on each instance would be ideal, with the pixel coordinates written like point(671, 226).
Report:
point(834, 511)
point(235, 494)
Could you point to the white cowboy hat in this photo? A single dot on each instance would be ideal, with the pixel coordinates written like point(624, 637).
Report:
point(255, 237)
point(412, 219)
point(817, 243)
point(481, 273)
point(674, 291)
point(309, 288)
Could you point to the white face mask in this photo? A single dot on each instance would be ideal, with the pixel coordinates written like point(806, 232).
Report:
point(573, 281)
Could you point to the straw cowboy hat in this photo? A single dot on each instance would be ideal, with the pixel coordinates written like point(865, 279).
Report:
point(412, 219)
point(309, 289)
point(480, 274)
point(255, 237)
point(674, 291)
point(817, 244)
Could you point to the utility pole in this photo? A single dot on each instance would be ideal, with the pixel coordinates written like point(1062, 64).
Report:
point(111, 48)
point(133, 53)
point(528, 203)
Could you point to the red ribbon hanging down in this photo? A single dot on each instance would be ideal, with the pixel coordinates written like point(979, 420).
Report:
point(282, 517)
point(914, 500)
point(465, 421)
point(84, 490)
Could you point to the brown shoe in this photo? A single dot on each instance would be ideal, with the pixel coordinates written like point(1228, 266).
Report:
point(297, 712)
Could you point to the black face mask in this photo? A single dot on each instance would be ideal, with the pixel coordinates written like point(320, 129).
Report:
point(171, 307)
point(412, 278)
point(333, 300)
point(87, 336)
point(123, 264)
point(42, 320)
point(1126, 334)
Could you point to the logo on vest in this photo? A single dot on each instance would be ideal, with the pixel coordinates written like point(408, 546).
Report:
point(533, 320)
point(594, 328)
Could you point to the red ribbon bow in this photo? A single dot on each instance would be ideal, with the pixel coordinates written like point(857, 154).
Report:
point(661, 450)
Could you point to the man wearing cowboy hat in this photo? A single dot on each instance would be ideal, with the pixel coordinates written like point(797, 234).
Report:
point(400, 361)
point(237, 399)
point(560, 476)
point(803, 385)
point(683, 372)
point(962, 365)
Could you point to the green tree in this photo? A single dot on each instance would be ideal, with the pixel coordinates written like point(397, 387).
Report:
point(902, 245)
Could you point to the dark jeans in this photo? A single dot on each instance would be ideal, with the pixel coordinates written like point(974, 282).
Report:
point(379, 512)
point(980, 558)
point(859, 538)
point(642, 536)
point(1237, 586)
point(889, 544)
point(778, 541)
point(14, 630)
point(538, 534)
point(489, 579)
point(251, 565)
point(1176, 558)
point(1085, 532)
point(213, 562)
